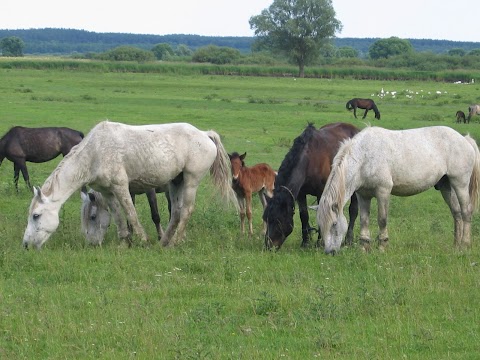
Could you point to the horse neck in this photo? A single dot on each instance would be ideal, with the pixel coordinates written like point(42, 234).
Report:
point(68, 177)
point(343, 180)
point(295, 179)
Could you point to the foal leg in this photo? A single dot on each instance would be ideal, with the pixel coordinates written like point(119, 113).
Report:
point(241, 207)
point(248, 201)
point(364, 206)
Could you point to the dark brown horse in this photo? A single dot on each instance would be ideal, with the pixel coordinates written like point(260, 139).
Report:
point(259, 178)
point(22, 144)
point(367, 104)
point(460, 115)
point(304, 171)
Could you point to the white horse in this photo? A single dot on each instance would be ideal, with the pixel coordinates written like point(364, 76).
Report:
point(115, 158)
point(379, 162)
point(473, 110)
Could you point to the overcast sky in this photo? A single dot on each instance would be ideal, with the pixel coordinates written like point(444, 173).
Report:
point(419, 19)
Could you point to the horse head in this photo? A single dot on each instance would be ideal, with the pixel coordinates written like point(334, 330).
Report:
point(236, 161)
point(43, 219)
point(278, 216)
point(95, 217)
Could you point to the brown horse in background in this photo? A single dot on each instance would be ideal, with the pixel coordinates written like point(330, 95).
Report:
point(258, 178)
point(473, 110)
point(37, 145)
point(460, 115)
point(367, 104)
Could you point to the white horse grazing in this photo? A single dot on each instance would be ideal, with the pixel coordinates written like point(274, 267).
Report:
point(379, 162)
point(115, 158)
point(473, 110)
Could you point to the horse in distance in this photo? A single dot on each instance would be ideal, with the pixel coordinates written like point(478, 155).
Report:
point(259, 178)
point(379, 163)
point(473, 110)
point(96, 217)
point(21, 144)
point(115, 158)
point(367, 104)
point(460, 116)
point(304, 171)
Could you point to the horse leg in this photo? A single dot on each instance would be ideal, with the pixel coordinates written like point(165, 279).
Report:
point(152, 201)
point(118, 218)
point(364, 206)
point(248, 201)
point(383, 201)
point(452, 201)
point(16, 173)
point(125, 200)
point(353, 213)
point(241, 209)
point(365, 115)
point(261, 195)
point(175, 204)
point(303, 212)
point(355, 111)
point(188, 194)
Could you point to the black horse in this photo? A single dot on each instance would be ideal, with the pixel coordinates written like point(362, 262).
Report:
point(22, 144)
point(305, 171)
point(460, 115)
point(367, 104)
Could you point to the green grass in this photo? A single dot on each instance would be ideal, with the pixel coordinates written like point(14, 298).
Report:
point(218, 295)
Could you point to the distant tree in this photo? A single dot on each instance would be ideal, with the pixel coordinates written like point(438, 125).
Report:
point(297, 28)
point(456, 52)
point(183, 50)
point(347, 52)
point(12, 46)
point(162, 51)
point(127, 53)
point(474, 52)
point(216, 54)
point(385, 48)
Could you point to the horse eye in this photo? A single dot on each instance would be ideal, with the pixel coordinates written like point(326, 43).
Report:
point(36, 216)
point(334, 224)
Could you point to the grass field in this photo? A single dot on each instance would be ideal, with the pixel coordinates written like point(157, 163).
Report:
point(218, 295)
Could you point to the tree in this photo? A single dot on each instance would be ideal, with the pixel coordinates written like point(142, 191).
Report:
point(127, 53)
point(385, 48)
point(183, 50)
point(347, 52)
point(297, 28)
point(162, 51)
point(12, 46)
point(456, 52)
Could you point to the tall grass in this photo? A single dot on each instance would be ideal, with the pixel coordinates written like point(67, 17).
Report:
point(218, 295)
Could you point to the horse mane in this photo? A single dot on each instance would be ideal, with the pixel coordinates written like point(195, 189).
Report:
point(375, 110)
point(334, 193)
point(291, 160)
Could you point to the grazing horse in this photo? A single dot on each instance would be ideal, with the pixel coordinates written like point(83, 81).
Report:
point(460, 115)
point(473, 110)
point(22, 144)
point(379, 162)
point(304, 171)
point(259, 178)
point(115, 159)
point(367, 104)
point(95, 214)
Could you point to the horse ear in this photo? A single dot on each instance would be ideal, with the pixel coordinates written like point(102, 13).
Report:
point(92, 197)
point(229, 156)
point(335, 208)
point(243, 156)
point(37, 192)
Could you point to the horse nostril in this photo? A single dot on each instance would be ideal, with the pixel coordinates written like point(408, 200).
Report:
point(93, 217)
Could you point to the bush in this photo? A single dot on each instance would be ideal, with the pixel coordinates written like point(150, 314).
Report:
point(127, 53)
point(216, 55)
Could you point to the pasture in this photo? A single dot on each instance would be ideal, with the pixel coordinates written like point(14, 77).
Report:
point(219, 295)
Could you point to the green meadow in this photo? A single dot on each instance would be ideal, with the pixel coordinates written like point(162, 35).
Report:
point(219, 295)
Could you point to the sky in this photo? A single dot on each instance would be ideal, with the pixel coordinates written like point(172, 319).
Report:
point(406, 19)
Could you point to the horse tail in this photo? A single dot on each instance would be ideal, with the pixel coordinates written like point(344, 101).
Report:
point(474, 187)
point(375, 109)
point(220, 170)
